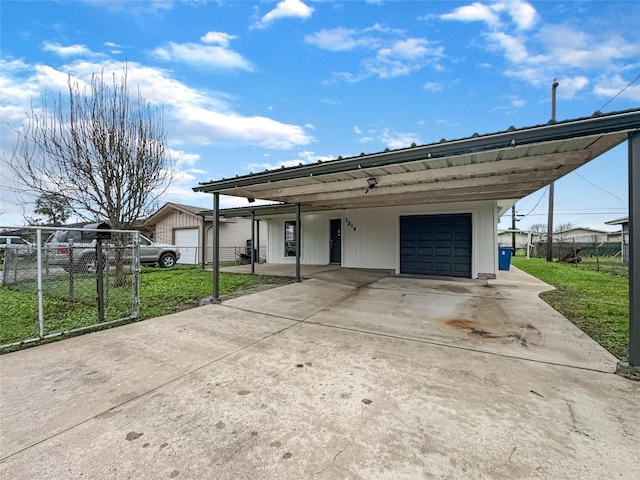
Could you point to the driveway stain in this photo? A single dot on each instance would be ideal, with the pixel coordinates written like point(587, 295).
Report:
point(131, 436)
point(527, 335)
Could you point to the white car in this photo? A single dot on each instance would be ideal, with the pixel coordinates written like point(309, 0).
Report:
point(17, 244)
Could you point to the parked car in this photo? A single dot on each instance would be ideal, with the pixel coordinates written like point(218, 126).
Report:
point(18, 244)
point(76, 250)
point(163, 254)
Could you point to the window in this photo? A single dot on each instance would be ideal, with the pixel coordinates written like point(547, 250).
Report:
point(290, 247)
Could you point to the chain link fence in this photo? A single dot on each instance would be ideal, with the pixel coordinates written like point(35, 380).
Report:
point(573, 249)
point(79, 278)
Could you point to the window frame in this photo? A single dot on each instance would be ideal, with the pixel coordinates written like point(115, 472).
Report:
point(290, 228)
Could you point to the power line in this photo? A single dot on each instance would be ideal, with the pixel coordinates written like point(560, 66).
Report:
point(618, 94)
point(537, 203)
point(599, 188)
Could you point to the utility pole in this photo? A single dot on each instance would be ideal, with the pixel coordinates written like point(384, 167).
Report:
point(551, 193)
point(513, 229)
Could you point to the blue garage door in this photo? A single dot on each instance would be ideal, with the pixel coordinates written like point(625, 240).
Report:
point(436, 245)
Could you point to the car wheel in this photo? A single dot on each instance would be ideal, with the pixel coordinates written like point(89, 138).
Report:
point(167, 260)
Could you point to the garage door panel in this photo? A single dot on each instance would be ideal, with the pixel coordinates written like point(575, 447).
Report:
point(436, 245)
point(187, 240)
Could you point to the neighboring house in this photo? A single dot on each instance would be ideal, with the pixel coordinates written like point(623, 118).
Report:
point(581, 235)
point(505, 238)
point(427, 210)
point(185, 226)
point(624, 236)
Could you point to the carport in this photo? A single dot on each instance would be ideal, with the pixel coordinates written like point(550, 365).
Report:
point(501, 167)
point(349, 375)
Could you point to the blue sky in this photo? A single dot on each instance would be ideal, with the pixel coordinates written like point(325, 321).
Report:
point(251, 85)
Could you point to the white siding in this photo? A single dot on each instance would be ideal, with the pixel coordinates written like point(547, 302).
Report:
point(175, 220)
point(371, 236)
point(315, 238)
point(234, 234)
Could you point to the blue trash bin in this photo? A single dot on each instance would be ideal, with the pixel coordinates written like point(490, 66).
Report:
point(504, 257)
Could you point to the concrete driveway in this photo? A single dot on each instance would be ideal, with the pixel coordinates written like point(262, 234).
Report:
point(347, 375)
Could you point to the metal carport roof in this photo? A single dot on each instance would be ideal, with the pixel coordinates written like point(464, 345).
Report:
point(504, 165)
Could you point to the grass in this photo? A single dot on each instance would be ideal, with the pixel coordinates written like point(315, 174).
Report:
point(162, 291)
point(593, 295)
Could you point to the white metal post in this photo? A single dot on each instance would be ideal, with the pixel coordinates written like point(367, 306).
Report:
point(40, 296)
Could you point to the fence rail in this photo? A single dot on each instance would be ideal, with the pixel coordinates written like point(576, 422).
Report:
point(80, 276)
point(578, 247)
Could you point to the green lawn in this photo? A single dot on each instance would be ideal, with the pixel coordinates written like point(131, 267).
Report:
point(162, 291)
point(593, 295)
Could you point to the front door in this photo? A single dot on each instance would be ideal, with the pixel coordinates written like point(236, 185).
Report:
point(335, 245)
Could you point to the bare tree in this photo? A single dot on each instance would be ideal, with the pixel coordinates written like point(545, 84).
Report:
point(563, 227)
point(538, 228)
point(103, 152)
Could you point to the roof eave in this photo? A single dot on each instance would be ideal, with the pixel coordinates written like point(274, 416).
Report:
point(615, 122)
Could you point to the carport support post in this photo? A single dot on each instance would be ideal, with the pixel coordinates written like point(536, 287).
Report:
point(216, 243)
point(253, 241)
point(298, 246)
point(203, 243)
point(631, 369)
point(257, 246)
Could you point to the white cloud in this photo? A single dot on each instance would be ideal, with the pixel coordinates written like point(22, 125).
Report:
point(537, 55)
point(608, 87)
point(285, 9)
point(337, 39)
point(303, 158)
point(514, 48)
point(395, 140)
point(259, 167)
point(523, 14)
point(409, 49)
point(389, 53)
point(357, 130)
point(433, 86)
point(402, 57)
point(68, 51)
point(568, 87)
point(216, 127)
point(219, 38)
point(184, 159)
point(193, 118)
point(476, 12)
point(211, 56)
point(577, 49)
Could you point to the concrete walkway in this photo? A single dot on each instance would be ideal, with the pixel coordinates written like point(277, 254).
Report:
point(348, 375)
